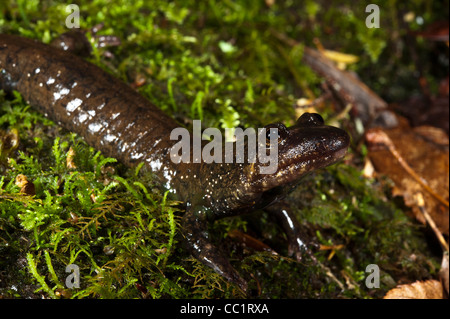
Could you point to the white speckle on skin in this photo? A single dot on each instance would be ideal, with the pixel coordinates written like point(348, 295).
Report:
point(82, 117)
point(155, 164)
point(110, 137)
point(73, 105)
point(95, 127)
point(115, 115)
point(125, 146)
point(135, 155)
point(61, 93)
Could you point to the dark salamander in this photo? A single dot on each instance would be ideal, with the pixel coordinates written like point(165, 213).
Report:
point(116, 120)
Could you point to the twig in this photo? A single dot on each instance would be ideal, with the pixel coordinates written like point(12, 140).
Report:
point(421, 203)
point(366, 103)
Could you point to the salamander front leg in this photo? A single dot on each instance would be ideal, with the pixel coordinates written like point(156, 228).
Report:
point(296, 244)
point(195, 230)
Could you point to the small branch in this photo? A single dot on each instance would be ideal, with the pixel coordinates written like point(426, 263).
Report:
point(421, 203)
point(351, 90)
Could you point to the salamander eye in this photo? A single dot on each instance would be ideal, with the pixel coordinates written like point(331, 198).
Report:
point(310, 119)
point(276, 131)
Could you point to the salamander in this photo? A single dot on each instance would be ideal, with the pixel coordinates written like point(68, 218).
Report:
point(118, 121)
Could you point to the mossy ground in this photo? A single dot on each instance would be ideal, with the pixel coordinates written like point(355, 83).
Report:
point(216, 61)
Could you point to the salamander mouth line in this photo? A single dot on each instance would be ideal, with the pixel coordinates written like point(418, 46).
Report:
point(290, 173)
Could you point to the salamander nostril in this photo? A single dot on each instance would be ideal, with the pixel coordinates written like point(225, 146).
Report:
point(310, 119)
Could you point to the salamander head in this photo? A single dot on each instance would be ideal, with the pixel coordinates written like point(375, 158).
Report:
point(302, 148)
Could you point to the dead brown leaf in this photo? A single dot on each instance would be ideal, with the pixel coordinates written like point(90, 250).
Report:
point(26, 187)
point(70, 158)
point(416, 165)
point(430, 289)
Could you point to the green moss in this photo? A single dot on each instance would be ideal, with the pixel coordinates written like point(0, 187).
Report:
point(356, 213)
point(217, 61)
